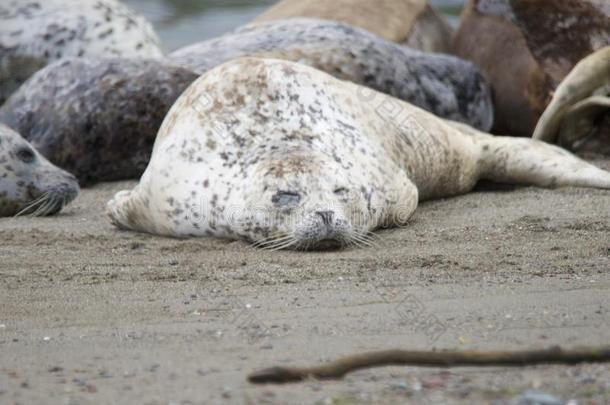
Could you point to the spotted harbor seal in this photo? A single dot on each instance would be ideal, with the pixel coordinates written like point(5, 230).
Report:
point(96, 118)
point(34, 33)
point(411, 22)
point(578, 116)
point(29, 184)
point(526, 48)
point(445, 85)
point(286, 156)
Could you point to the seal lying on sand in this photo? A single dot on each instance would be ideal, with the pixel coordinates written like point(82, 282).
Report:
point(578, 116)
point(36, 32)
point(411, 22)
point(526, 48)
point(29, 184)
point(286, 156)
point(444, 85)
point(94, 118)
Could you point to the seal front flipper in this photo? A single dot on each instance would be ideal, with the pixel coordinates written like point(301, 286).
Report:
point(401, 201)
point(129, 210)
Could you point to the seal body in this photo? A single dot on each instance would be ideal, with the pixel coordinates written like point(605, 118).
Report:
point(96, 118)
point(34, 33)
point(526, 48)
point(29, 184)
point(444, 85)
point(578, 116)
point(411, 22)
point(287, 156)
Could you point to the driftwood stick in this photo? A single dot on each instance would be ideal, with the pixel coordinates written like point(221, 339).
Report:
point(338, 368)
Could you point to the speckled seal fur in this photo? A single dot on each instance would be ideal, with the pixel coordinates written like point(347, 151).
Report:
point(287, 156)
point(444, 85)
point(29, 184)
point(34, 33)
point(97, 119)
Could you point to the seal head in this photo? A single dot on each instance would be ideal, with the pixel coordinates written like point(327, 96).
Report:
point(303, 200)
point(29, 184)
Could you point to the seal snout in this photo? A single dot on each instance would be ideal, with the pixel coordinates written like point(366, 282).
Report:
point(327, 217)
point(323, 230)
point(55, 192)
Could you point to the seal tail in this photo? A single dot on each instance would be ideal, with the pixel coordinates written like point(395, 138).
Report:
point(531, 162)
point(126, 212)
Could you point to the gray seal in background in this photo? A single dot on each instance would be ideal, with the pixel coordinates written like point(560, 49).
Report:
point(445, 85)
point(97, 119)
point(36, 33)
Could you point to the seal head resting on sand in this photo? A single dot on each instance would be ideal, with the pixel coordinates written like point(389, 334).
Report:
point(286, 156)
point(29, 184)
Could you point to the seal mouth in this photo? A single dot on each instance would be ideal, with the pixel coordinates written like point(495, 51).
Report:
point(292, 243)
point(335, 242)
point(326, 245)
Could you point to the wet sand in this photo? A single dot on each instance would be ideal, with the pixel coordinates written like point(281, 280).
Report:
point(89, 314)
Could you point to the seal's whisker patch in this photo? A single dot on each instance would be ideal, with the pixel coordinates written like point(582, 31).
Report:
point(44, 207)
point(271, 240)
point(283, 243)
point(34, 204)
point(363, 239)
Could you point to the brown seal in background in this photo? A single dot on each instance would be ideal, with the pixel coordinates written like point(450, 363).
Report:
point(411, 22)
point(526, 48)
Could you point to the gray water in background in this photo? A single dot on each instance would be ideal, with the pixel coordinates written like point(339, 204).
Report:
point(183, 22)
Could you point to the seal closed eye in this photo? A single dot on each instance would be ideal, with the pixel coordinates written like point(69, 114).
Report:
point(321, 138)
point(283, 198)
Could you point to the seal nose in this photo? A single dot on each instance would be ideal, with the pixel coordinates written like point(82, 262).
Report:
point(327, 217)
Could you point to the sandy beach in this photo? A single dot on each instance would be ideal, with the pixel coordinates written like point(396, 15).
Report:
point(90, 314)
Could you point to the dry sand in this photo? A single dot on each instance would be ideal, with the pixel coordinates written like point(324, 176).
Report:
point(89, 314)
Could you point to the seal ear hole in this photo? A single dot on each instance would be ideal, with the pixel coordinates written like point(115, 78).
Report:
point(341, 191)
point(26, 155)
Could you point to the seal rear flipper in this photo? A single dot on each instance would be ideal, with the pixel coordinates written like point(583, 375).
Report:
point(536, 163)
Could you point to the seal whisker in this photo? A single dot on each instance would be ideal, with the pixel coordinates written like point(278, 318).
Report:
point(277, 242)
point(283, 246)
point(44, 206)
point(271, 240)
point(363, 240)
point(37, 202)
